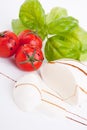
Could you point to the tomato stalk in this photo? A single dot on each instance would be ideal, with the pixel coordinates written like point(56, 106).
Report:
point(30, 59)
point(2, 34)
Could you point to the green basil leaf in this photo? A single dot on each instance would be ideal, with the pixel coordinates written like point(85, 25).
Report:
point(58, 47)
point(62, 25)
point(81, 35)
point(32, 16)
point(55, 13)
point(17, 26)
point(83, 56)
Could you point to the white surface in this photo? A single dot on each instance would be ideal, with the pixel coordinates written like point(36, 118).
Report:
point(46, 117)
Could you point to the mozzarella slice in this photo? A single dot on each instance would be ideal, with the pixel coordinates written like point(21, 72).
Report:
point(26, 92)
point(61, 80)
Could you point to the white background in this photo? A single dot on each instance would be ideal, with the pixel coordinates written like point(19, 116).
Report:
point(12, 118)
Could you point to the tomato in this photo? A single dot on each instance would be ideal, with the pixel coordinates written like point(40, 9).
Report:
point(28, 58)
point(8, 43)
point(29, 37)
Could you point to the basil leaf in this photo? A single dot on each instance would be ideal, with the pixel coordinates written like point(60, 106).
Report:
point(81, 35)
point(62, 25)
point(17, 26)
point(55, 13)
point(62, 47)
point(32, 16)
point(83, 56)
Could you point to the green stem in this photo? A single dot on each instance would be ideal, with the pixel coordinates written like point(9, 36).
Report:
point(2, 35)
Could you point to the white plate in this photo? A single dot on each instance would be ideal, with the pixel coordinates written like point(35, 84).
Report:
point(45, 117)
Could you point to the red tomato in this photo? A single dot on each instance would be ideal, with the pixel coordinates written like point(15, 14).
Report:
point(29, 37)
point(8, 43)
point(28, 58)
